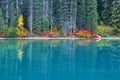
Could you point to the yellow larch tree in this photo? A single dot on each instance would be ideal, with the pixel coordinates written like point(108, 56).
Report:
point(21, 30)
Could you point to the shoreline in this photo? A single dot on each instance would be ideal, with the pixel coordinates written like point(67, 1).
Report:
point(58, 38)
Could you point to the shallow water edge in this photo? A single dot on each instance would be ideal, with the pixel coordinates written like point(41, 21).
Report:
point(64, 38)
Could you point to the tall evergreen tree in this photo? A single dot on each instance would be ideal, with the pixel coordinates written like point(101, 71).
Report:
point(5, 9)
point(91, 14)
point(66, 16)
point(37, 16)
point(46, 15)
point(0, 3)
point(13, 13)
point(73, 15)
point(104, 11)
point(11, 10)
point(57, 13)
point(81, 14)
point(1, 19)
point(25, 12)
point(65, 12)
point(115, 18)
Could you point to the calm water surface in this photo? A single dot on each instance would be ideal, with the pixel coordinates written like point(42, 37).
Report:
point(59, 60)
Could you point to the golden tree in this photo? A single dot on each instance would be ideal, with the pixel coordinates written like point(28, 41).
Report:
point(21, 30)
point(20, 22)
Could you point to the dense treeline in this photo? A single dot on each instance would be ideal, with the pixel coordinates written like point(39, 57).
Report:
point(67, 15)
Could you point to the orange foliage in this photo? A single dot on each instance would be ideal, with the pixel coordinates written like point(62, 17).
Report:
point(49, 34)
point(54, 34)
point(83, 34)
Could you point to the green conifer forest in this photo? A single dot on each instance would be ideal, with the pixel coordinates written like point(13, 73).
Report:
point(55, 18)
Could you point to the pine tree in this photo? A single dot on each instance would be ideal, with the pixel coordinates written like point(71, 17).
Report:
point(115, 18)
point(13, 13)
point(11, 10)
point(25, 11)
point(46, 25)
point(91, 14)
point(5, 8)
point(0, 3)
point(64, 13)
point(1, 19)
point(46, 10)
point(57, 13)
point(104, 11)
point(81, 14)
point(38, 16)
point(73, 15)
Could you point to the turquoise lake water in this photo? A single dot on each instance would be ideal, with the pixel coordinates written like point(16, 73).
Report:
point(59, 60)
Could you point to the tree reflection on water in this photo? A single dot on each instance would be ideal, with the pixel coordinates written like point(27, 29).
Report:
point(59, 60)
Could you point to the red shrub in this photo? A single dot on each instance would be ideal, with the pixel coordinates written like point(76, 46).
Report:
point(95, 36)
point(45, 34)
point(27, 33)
point(70, 34)
point(2, 34)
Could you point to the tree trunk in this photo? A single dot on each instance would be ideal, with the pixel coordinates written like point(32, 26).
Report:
point(30, 15)
point(51, 14)
point(17, 8)
point(7, 14)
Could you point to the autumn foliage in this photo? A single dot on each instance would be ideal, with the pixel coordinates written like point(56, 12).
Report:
point(53, 34)
point(83, 34)
point(2, 34)
point(21, 31)
point(104, 31)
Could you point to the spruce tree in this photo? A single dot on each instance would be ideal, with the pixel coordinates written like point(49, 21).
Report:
point(13, 13)
point(64, 13)
point(57, 13)
point(115, 18)
point(66, 16)
point(0, 3)
point(1, 18)
point(25, 12)
point(5, 9)
point(91, 14)
point(104, 11)
point(38, 16)
point(81, 14)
